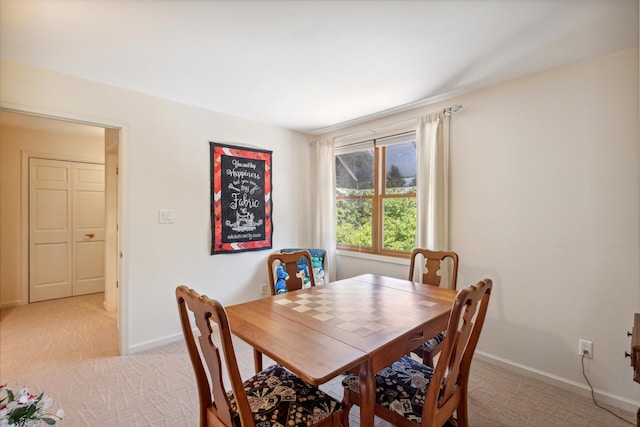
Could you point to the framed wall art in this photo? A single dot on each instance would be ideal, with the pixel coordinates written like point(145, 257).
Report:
point(241, 203)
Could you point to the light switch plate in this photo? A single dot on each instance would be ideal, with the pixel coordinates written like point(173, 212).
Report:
point(166, 216)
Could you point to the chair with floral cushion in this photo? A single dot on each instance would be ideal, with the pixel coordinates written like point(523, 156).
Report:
point(409, 393)
point(432, 262)
point(273, 397)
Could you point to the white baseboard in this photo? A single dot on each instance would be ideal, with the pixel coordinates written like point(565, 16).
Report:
point(12, 304)
point(560, 382)
point(148, 345)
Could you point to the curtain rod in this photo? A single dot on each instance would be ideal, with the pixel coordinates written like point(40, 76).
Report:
point(374, 130)
point(448, 111)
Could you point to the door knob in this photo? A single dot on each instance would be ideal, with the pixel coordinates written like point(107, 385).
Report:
point(89, 235)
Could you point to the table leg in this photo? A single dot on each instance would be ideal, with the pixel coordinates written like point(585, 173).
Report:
point(257, 360)
point(367, 391)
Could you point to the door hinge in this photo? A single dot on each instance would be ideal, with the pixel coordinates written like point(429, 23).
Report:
point(117, 284)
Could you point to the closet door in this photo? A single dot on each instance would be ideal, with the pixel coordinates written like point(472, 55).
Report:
point(50, 230)
point(88, 228)
point(66, 229)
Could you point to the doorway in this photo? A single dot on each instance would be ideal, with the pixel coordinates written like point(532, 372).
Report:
point(15, 267)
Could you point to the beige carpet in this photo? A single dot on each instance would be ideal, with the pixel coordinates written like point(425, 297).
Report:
point(68, 349)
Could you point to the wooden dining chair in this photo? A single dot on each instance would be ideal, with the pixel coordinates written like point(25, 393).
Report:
point(410, 393)
point(319, 261)
point(274, 396)
point(432, 262)
point(290, 261)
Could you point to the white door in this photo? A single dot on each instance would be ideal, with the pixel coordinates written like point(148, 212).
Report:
point(66, 229)
point(50, 230)
point(88, 228)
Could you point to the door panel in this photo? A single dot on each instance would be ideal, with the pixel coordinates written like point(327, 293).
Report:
point(89, 274)
point(50, 245)
point(89, 228)
point(66, 229)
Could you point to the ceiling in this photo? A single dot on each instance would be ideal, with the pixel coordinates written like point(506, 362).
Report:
point(310, 66)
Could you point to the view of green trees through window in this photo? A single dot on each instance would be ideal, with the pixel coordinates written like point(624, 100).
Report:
point(399, 224)
point(354, 225)
point(356, 196)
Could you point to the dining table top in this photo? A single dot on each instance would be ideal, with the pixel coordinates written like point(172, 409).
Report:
point(323, 331)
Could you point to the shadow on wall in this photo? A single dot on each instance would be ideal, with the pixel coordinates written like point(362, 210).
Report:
point(469, 275)
point(518, 343)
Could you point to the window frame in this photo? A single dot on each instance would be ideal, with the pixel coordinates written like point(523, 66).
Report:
point(377, 203)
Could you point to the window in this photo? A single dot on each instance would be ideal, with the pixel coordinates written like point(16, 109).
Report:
point(376, 196)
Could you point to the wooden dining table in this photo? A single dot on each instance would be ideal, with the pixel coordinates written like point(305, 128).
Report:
point(359, 325)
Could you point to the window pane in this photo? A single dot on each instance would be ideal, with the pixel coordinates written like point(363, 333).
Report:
point(401, 168)
point(354, 173)
point(353, 226)
point(399, 223)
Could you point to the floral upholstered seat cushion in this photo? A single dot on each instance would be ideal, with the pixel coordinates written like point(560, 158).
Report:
point(400, 387)
point(279, 398)
point(433, 342)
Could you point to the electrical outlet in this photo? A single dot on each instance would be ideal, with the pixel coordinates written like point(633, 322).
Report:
point(263, 289)
point(585, 348)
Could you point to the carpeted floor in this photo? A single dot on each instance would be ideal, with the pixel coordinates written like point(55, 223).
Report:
point(68, 349)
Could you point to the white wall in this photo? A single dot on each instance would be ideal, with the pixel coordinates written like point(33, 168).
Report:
point(545, 201)
point(165, 165)
point(13, 143)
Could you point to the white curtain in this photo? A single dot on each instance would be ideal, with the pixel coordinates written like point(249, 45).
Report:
point(432, 177)
point(323, 204)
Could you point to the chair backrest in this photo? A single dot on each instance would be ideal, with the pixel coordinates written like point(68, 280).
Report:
point(204, 311)
point(433, 261)
point(319, 260)
point(448, 384)
point(290, 261)
point(314, 252)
